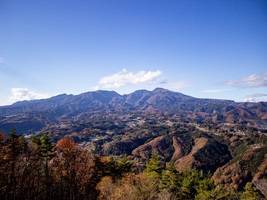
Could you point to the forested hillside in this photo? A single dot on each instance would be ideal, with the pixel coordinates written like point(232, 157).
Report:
point(40, 169)
point(146, 145)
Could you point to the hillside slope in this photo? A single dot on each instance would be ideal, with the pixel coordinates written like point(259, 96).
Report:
point(33, 116)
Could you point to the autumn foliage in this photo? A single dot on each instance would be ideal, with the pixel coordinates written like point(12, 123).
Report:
point(38, 169)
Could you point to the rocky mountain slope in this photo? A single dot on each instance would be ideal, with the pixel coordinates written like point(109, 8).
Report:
point(225, 138)
point(32, 116)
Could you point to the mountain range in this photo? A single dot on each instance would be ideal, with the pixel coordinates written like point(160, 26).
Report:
point(35, 115)
point(225, 138)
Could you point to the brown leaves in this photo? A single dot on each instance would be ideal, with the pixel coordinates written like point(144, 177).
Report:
point(65, 144)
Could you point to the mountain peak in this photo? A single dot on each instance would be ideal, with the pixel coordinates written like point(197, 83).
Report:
point(71, 107)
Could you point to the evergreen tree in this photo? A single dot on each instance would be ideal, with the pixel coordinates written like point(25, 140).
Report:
point(154, 168)
point(195, 182)
point(250, 193)
point(46, 147)
point(171, 178)
point(36, 140)
point(12, 151)
point(117, 169)
point(124, 165)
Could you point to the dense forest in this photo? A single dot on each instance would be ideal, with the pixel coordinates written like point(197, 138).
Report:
point(37, 168)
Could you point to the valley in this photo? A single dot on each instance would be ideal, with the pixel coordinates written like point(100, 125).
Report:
point(219, 137)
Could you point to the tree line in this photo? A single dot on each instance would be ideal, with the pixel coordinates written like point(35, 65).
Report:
point(36, 168)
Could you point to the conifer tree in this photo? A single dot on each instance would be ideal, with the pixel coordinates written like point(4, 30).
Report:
point(154, 167)
point(46, 147)
point(171, 179)
point(250, 193)
point(124, 165)
point(12, 152)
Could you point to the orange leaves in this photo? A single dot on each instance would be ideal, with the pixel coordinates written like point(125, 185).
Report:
point(66, 144)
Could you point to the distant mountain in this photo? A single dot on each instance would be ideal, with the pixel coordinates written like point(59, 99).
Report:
point(32, 116)
point(221, 137)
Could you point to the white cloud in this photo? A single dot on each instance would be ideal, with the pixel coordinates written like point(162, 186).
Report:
point(255, 98)
point(20, 94)
point(252, 81)
point(129, 78)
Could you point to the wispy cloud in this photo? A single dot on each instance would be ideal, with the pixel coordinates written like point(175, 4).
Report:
point(124, 77)
point(255, 98)
point(252, 81)
point(20, 94)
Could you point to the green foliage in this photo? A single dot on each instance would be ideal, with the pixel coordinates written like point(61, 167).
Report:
point(187, 140)
point(36, 140)
point(250, 193)
point(212, 155)
point(36, 169)
point(186, 185)
point(125, 165)
point(117, 169)
point(154, 167)
point(29, 171)
point(195, 182)
point(168, 152)
point(240, 150)
point(218, 193)
point(170, 179)
point(160, 129)
point(46, 145)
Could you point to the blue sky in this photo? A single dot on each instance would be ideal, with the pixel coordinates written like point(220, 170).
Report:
point(202, 48)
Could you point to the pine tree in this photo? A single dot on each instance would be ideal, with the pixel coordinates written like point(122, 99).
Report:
point(124, 165)
point(171, 179)
point(154, 167)
point(12, 152)
point(46, 147)
point(250, 193)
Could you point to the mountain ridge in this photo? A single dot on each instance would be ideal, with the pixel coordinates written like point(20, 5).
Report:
point(69, 107)
point(221, 137)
